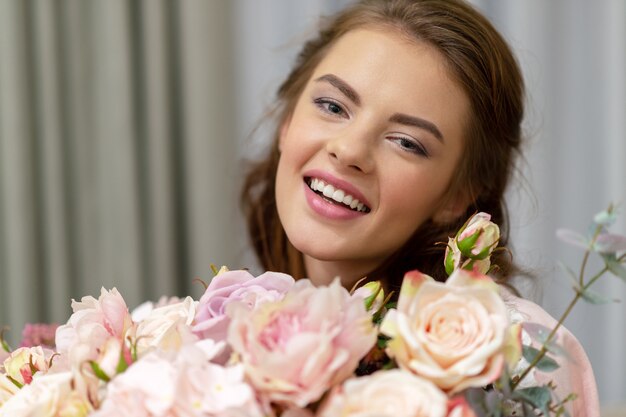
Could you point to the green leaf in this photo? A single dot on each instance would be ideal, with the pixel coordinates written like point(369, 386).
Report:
point(573, 277)
point(3, 343)
point(605, 218)
point(15, 381)
point(615, 266)
point(539, 397)
point(475, 397)
point(122, 365)
point(593, 297)
point(545, 364)
point(99, 372)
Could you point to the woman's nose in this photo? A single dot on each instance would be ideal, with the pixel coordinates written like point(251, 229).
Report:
point(352, 150)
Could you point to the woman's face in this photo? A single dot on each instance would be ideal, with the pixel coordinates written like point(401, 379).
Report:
point(382, 122)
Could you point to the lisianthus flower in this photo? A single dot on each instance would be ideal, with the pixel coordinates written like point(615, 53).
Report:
point(295, 349)
point(211, 320)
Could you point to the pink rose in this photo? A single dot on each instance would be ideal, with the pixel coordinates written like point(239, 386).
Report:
point(394, 393)
point(455, 334)
point(295, 349)
point(211, 321)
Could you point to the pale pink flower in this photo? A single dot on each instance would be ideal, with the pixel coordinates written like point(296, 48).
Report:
point(49, 395)
point(295, 349)
point(454, 334)
point(393, 393)
point(211, 319)
point(180, 383)
point(93, 323)
point(96, 331)
point(167, 327)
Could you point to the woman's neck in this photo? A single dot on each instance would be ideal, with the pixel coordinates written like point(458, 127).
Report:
point(324, 272)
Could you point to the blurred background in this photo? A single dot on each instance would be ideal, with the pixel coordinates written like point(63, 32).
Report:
point(124, 126)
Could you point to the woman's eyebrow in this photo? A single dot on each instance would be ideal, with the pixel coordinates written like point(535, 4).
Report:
point(405, 119)
point(400, 118)
point(342, 86)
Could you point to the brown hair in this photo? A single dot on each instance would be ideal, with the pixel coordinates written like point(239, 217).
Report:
point(481, 62)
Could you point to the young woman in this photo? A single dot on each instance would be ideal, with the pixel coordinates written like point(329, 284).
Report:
point(400, 120)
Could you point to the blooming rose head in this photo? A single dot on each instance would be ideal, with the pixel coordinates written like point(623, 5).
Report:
point(95, 333)
point(167, 327)
point(93, 323)
point(211, 321)
point(295, 349)
point(394, 393)
point(454, 334)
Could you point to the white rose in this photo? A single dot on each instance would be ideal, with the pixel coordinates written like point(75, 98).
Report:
point(394, 393)
point(167, 327)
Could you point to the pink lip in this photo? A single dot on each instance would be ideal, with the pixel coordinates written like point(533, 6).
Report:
point(338, 183)
point(325, 208)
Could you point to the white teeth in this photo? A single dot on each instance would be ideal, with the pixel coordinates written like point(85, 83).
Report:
point(336, 194)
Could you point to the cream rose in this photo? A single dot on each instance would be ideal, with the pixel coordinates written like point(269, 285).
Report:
point(455, 334)
point(394, 393)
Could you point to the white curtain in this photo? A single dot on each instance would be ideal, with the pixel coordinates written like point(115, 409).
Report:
point(117, 151)
point(123, 124)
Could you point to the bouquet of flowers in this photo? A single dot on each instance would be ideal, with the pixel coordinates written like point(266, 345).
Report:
point(273, 346)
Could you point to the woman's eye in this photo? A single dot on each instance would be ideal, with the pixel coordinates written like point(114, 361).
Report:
point(330, 107)
point(409, 145)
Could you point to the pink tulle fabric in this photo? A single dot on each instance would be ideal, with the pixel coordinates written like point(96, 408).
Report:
point(575, 374)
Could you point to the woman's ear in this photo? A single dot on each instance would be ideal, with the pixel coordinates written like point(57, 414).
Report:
point(452, 209)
